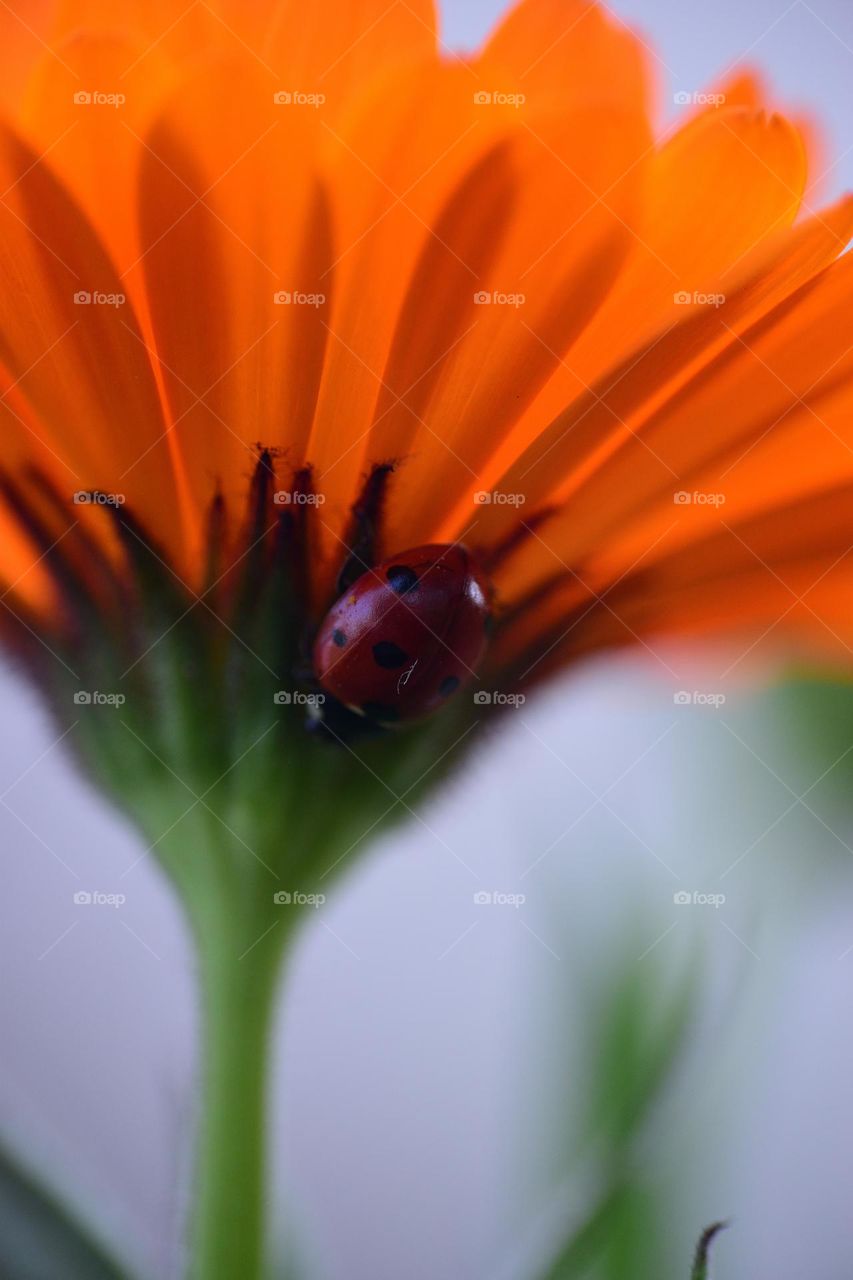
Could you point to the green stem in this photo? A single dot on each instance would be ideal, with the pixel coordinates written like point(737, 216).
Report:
point(239, 969)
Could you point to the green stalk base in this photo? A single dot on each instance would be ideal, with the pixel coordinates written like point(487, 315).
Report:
point(239, 979)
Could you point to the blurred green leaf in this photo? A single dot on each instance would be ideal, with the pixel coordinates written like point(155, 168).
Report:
point(703, 1251)
point(586, 1242)
point(39, 1237)
point(637, 1027)
point(811, 718)
point(616, 1241)
point(633, 1244)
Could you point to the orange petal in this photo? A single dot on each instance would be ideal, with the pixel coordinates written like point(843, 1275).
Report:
point(562, 250)
point(74, 350)
point(85, 109)
point(786, 571)
point(25, 36)
point(394, 175)
point(564, 55)
point(577, 454)
point(748, 170)
point(343, 47)
point(257, 269)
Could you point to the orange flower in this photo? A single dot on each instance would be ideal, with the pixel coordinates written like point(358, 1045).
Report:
point(615, 365)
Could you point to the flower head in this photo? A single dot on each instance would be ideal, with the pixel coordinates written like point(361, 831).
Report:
point(287, 293)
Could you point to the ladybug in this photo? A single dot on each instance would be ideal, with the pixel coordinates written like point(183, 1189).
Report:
point(406, 635)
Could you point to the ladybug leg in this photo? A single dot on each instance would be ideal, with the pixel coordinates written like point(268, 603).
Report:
point(363, 535)
point(334, 723)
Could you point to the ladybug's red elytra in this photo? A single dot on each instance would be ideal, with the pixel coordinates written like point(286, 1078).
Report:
point(406, 635)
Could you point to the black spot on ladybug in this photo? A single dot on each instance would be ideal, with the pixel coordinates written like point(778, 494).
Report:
point(389, 655)
point(339, 637)
point(402, 578)
point(448, 685)
point(378, 711)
